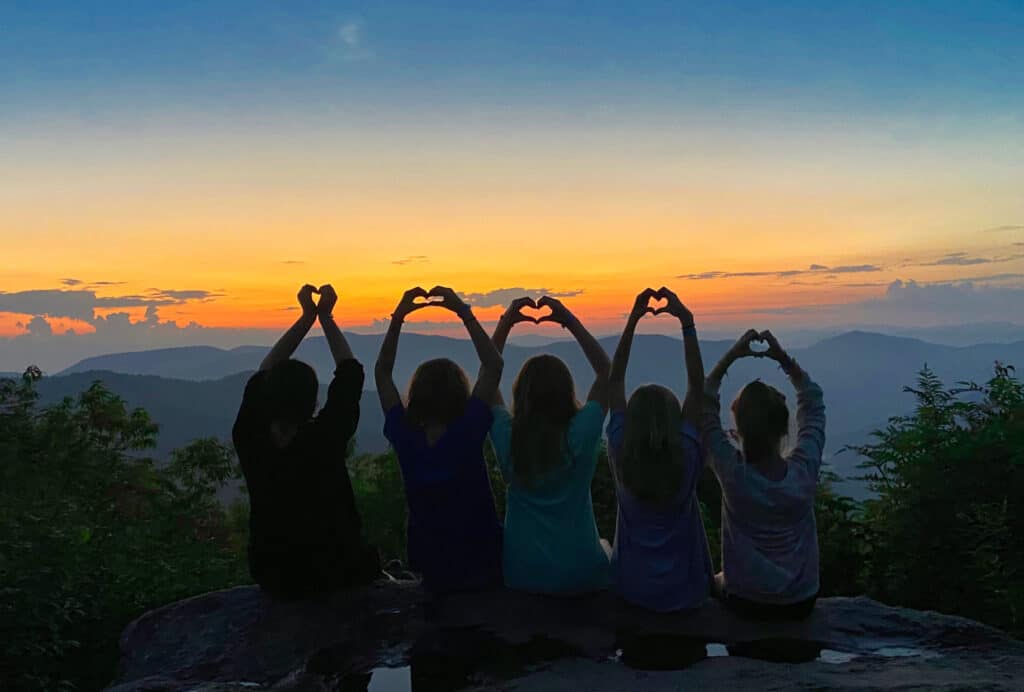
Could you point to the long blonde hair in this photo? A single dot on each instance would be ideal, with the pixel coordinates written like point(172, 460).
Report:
point(652, 460)
point(543, 405)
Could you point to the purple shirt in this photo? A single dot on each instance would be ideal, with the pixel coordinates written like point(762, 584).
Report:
point(660, 560)
point(455, 539)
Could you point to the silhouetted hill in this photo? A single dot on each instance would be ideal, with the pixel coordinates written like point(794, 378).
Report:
point(862, 373)
point(187, 409)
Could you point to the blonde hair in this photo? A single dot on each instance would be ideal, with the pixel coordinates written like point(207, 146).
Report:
point(543, 405)
point(652, 460)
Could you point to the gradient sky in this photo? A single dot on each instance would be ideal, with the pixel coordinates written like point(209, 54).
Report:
point(787, 161)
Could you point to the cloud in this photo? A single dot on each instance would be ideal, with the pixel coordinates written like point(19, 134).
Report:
point(957, 259)
point(71, 282)
point(178, 296)
point(292, 262)
point(785, 273)
point(81, 304)
point(412, 259)
point(1004, 229)
point(504, 296)
point(351, 41)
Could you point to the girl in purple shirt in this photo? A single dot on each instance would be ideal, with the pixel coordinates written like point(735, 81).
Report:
point(660, 560)
point(455, 540)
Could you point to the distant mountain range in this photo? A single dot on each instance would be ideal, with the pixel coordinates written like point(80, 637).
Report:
point(195, 391)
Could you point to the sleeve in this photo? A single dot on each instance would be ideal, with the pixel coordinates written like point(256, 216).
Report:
point(585, 434)
point(252, 416)
point(616, 436)
point(476, 421)
point(718, 448)
point(501, 440)
point(810, 418)
point(693, 453)
point(339, 416)
point(394, 426)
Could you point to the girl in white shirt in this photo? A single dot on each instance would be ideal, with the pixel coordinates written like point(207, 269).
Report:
point(769, 535)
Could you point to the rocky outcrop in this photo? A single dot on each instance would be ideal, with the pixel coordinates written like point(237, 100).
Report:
point(389, 636)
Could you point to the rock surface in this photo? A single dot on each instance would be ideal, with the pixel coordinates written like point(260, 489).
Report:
point(390, 637)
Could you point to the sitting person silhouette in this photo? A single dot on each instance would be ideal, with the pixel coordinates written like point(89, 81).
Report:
point(769, 534)
point(547, 452)
point(305, 534)
point(660, 560)
point(454, 537)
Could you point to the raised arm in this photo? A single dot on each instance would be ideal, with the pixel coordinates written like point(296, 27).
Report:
point(491, 362)
point(617, 375)
point(290, 340)
point(384, 369)
point(721, 454)
point(512, 316)
point(591, 348)
point(692, 404)
point(810, 406)
point(340, 350)
point(741, 349)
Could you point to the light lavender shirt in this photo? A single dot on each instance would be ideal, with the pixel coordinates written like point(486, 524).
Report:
point(769, 535)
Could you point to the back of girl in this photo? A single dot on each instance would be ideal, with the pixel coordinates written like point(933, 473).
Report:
point(547, 451)
point(454, 538)
point(660, 560)
point(769, 533)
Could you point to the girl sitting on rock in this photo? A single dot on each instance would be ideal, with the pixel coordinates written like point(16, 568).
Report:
point(547, 451)
point(454, 538)
point(660, 560)
point(769, 535)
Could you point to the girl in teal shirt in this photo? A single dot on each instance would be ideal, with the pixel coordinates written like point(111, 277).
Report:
point(547, 451)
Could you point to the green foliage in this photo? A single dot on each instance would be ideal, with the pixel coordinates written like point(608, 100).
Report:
point(946, 531)
point(93, 534)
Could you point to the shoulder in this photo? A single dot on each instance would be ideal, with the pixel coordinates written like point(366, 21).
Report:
point(254, 385)
point(616, 427)
point(349, 371)
point(477, 414)
point(590, 415)
point(394, 422)
point(500, 417)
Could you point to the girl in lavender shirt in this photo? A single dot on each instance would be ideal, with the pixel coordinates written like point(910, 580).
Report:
point(660, 560)
point(769, 535)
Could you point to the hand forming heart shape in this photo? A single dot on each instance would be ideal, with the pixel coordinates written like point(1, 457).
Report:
point(517, 306)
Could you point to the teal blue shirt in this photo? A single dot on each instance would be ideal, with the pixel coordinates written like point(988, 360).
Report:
point(551, 541)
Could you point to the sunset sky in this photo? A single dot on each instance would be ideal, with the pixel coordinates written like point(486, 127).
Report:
point(782, 162)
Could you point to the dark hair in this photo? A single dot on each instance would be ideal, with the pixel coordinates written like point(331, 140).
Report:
point(762, 420)
point(291, 390)
point(438, 392)
point(652, 450)
point(543, 404)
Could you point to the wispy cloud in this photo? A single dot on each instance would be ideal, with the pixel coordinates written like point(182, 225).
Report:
point(504, 296)
point(1004, 229)
point(412, 259)
point(785, 273)
point(71, 282)
point(957, 259)
point(351, 41)
point(292, 262)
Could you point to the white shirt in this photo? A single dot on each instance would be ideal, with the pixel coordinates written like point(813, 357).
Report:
point(769, 535)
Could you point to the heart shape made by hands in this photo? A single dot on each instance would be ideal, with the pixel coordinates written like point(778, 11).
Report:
point(658, 305)
point(428, 300)
point(759, 346)
point(535, 313)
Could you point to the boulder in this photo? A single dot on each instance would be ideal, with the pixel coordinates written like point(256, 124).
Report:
point(391, 637)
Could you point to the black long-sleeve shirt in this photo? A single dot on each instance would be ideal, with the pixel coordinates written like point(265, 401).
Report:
point(305, 532)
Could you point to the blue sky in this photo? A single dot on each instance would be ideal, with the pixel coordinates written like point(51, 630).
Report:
point(832, 56)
